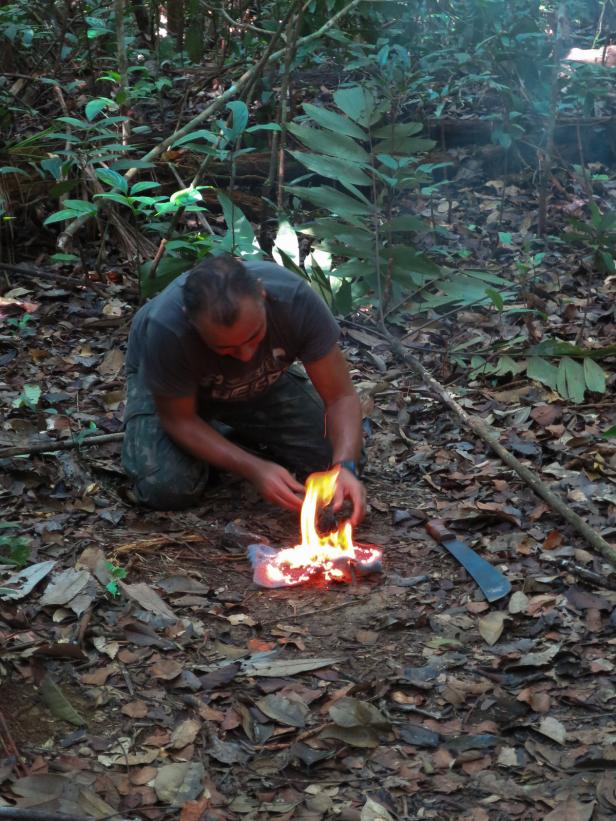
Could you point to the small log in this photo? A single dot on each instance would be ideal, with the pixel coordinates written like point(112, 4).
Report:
point(63, 444)
point(490, 437)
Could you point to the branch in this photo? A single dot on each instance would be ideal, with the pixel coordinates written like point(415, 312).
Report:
point(64, 444)
point(490, 437)
point(268, 57)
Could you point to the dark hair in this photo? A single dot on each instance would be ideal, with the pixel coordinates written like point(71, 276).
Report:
point(215, 286)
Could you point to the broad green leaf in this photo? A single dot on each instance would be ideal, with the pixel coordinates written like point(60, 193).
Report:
point(239, 121)
point(409, 258)
point(397, 130)
point(82, 206)
point(574, 376)
point(406, 222)
point(354, 268)
point(65, 214)
point(324, 196)
point(240, 238)
point(594, 376)
point(72, 121)
point(335, 122)
point(357, 103)
point(333, 145)
point(95, 107)
point(543, 371)
point(112, 178)
point(121, 165)
point(32, 394)
point(286, 240)
point(610, 433)
point(333, 167)
point(194, 136)
point(11, 169)
point(145, 185)
point(110, 195)
point(496, 298)
point(263, 127)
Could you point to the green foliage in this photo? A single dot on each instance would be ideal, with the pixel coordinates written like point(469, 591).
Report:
point(29, 397)
point(14, 549)
point(598, 235)
point(117, 573)
point(571, 378)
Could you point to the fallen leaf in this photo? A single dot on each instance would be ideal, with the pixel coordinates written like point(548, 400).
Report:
point(285, 667)
point(284, 710)
point(58, 703)
point(21, 583)
point(371, 811)
point(552, 728)
point(491, 626)
point(166, 669)
point(177, 783)
point(185, 733)
point(571, 810)
point(147, 598)
point(518, 603)
point(99, 676)
point(135, 709)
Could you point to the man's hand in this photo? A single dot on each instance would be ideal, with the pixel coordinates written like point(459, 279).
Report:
point(276, 484)
point(349, 487)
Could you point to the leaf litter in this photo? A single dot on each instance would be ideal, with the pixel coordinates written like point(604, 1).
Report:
point(192, 692)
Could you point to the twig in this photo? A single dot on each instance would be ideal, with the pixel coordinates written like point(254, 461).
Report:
point(69, 444)
point(41, 815)
point(490, 437)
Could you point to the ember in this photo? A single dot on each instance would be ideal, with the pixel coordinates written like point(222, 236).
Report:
point(331, 556)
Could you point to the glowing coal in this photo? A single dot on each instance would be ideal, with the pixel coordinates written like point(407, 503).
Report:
point(332, 556)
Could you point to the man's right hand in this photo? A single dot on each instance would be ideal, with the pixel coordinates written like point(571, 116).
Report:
point(277, 485)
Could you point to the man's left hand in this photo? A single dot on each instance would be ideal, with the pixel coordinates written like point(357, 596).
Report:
point(349, 487)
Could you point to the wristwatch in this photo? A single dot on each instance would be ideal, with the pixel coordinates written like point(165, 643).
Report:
point(348, 464)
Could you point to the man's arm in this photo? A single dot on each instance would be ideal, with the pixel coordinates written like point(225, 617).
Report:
point(331, 378)
point(181, 422)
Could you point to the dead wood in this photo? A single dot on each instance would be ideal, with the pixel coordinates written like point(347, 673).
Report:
point(64, 444)
point(490, 437)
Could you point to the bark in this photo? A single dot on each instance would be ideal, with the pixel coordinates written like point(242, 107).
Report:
point(63, 444)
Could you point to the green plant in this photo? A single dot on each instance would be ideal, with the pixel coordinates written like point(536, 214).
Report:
point(117, 573)
point(14, 549)
point(29, 397)
point(597, 234)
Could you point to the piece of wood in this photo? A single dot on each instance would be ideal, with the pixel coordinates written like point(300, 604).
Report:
point(63, 444)
point(490, 437)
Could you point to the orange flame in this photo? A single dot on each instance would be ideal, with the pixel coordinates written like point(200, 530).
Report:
point(330, 554)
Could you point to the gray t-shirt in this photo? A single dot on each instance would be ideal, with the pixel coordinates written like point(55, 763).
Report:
point(177, 363)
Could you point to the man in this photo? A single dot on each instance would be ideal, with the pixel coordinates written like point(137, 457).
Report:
point(214, 352)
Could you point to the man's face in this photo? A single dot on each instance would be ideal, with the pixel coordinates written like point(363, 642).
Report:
point(241, 339)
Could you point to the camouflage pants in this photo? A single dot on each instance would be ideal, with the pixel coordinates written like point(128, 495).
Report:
point(286, 423)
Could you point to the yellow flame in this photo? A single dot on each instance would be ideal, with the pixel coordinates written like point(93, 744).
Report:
point(316, 551)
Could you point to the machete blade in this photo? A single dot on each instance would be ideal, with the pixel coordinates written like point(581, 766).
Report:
point(491, 581)
point(494, 585)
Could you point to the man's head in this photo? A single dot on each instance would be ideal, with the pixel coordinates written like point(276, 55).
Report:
point(226, 306)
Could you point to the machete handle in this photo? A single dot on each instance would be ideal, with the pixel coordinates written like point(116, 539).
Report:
point(439, 530)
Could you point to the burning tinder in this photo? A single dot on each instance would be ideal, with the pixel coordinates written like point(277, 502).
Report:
point(331, 556)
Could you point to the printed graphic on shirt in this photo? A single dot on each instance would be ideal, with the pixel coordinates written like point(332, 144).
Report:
point(222, 388)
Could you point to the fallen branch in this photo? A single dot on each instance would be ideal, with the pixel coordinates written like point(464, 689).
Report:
point(63, 444)
point(490, 437)
point(41, 815)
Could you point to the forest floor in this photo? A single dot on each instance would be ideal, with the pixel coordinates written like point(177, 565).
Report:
point(194, 694)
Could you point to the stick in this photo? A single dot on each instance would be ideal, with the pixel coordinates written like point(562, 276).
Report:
point(67, 444)
point(490, 437)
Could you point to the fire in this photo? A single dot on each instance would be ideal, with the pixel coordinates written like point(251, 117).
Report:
point(330, 555)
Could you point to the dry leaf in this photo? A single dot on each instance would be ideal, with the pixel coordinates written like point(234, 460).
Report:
point(135, 709)
point(491, 626)
point(518, 603)
point(185, 733)
point(552, 728)
point(166, 669)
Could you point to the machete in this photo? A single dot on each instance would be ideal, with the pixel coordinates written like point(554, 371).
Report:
point(494, 585)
